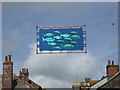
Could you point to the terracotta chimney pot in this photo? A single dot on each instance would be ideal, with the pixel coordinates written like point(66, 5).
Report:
point(108, 62)
point(112, 62)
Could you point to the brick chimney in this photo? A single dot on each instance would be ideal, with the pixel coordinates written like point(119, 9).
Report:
point(111, 69)
point(7, 72)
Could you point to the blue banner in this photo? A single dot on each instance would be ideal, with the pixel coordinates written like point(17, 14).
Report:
point(57, 39)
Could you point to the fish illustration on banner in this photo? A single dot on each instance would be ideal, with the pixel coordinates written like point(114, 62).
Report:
point(66, 38)
point(60, 39)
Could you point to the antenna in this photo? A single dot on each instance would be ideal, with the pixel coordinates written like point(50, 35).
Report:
point(76, 76)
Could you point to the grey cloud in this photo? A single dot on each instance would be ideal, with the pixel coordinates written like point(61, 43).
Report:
point(61, 68)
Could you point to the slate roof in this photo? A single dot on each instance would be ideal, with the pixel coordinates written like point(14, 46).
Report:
point(100, 82)
point(111, 79)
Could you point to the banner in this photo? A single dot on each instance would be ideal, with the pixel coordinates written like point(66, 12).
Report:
point(62, 39)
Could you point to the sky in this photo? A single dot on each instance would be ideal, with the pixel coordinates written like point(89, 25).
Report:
point(60, 0)
point(1, 36)
point(19, 20)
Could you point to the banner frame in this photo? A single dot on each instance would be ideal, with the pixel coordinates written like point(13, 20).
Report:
point(64, 51)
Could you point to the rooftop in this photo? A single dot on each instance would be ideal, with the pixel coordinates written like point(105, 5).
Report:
point(85, 83)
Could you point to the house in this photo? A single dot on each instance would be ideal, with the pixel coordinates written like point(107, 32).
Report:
point(113, 75)
point(84, 85)
point(111, 80)
point(11, 81)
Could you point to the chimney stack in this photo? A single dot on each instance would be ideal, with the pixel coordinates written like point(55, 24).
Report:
point(112, 69)
point(7, 72)
point(24, 74)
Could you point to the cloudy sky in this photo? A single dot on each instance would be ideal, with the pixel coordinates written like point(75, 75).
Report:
point(60, 70)
point(60, 0)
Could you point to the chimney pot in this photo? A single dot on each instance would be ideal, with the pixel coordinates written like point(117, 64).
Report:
point(5, 58)
point(108, 62)
point(112, 62)
point(9, 55)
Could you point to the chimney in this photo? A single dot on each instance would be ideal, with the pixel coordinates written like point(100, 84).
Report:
point(112, 69)
point(108, 62)
point(7, 73)
point(112, 62)
point(24, 74)
point(87, 79)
